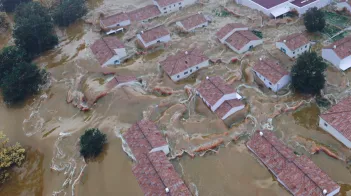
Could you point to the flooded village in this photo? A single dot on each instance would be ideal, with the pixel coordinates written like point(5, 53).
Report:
point(195, 98)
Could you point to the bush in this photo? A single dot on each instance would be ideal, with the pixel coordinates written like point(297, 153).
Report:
point(10, 5)
point(33, 29)
point(314, 20)
point(68, 11)
point(308, 74)
point(92, 143)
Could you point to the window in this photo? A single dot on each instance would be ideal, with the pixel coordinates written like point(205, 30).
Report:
point(170, 6)
point(270, 83)
point(180, 3)
point(165, 12)
point(203, 25)
point(264, 79)
point(185, 73)
point(293, 52)
point(174, 5)
point(186, 62)
point(164, 8)
point(325, 124)
point(177, 76)
point(191, 70)
point(306, 46)
point(250, 48)
point(118, 25)
point(158, 41)
point(197, 67)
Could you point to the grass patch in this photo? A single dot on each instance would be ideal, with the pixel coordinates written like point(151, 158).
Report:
point(337, 19)
point(330, 30)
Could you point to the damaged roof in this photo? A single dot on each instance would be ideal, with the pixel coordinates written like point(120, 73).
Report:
point(228, 28)
point(295, 41)
point(240, 38)
point(270, 69)
point(104, 48)
point(342, 47)
point(114, 19)
point(144, 13)
point(154, 33)
point(193, 21)
point(297, 173)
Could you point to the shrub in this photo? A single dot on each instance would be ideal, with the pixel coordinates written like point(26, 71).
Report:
point(92, 143)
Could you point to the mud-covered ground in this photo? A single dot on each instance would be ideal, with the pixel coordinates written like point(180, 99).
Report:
point(50, 128)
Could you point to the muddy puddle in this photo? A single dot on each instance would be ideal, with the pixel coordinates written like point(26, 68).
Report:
point(50, 127)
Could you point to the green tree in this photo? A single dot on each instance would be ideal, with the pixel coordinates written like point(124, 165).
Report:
point(10, 5)
point(10, 155)
point(92, 143)
point(307, 74)
point(10, 57)
point(68, 11)
point(314, 20)
point(33, 29)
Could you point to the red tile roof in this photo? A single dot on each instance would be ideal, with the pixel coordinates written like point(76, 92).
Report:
point(301, 3)
point(339, 117)
point(155, 173)
point(213, 89)
point(114, 19)
point(119, 80)
point(154, 33)
point(144, 13)
point(295, 41)
point(228, 28)
point(270, 69)
point(240, 38)
point(163, 3)
point(104, 48)
point(226, 106)
point(193, 21)
point(343, 47)
point(269, 4)
point(143, 136)
point(297, 173)
point(182, 60)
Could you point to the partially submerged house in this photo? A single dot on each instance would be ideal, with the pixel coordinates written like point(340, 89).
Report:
point(280, 7)
point(184, 63)
point(144, 137)
point(344, 5)
point(339, 53)
point(336, 121)
point(153, 36)
point(271, 73)
point(193, 22)
point(238, 37)
point(298, 174)
point(219, 97)
point(293, 45)
point(109, 51)
point(144, 14)
point(115, 21)
point(169, 6)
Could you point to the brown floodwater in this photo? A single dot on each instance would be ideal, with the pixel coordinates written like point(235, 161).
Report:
point(50, 128)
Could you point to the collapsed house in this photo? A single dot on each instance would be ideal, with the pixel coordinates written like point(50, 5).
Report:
point(154, 36)
point(293, 45)
point(338, 53)
point(193, 22)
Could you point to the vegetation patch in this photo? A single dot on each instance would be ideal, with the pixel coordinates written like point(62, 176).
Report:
point(336, 19)
point(258, 33)
point(92, 143)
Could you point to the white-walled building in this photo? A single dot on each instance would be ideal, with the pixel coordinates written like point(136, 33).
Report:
point(277, 8)
point(293, 45)
point(184, 63)
point(109, 51)
point(144, 14)
point(238, 38)
point(169, 6)
point(338, 53)
point(193, 22)
point(219, 97)
point(344, 5)
point(153, 36)
point(271, 74)
point(336, 121)
point(115, 21)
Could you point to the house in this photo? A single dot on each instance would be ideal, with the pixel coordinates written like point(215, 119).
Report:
point(145, 137)
point(184, 63)
point(298, 174)
point(120, 79)
point(271, 74)
point(153, 36)
point(280, 7)
point(336, 121)
point(219, 97)
point(157, 176)
point(193, 22)
point(108, 51)
point(339, 53)
point(115, 21)
point(168, 6)
point(238, 38)
point(293, 45)
point(144, 14)
point(344, 5)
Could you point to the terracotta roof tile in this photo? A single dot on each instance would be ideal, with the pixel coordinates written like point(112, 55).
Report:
point(104, 48)
point(269, 4)
point(339, 117)
point(270, 69)
point(183, 60)
point(193, 21)
point(154, 33)
point(298, 174)
point(114, 19)
point(116, 80)
point(343, 47)
point(240, 38)
point(163, 3)
point(301, 3)
point(144, 13)
point(226, 106)
point(295, 41)
point(228, 28)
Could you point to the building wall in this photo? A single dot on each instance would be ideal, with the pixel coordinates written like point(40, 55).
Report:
point(319, 4)
point(253, 43)
point(345, 63)
point(164, 148)
point(174, 7)
point(277, 86)
point(231, 33)
point(186, 73)
point(163, 39)
point(296, 52)
point(121, 24)
point(328, 128)
point(223, 99)
point(205, 24)
point(232, 111)
point(121, 52)
point(329, 55)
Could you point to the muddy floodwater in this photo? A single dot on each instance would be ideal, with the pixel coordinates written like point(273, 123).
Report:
point(50, 128)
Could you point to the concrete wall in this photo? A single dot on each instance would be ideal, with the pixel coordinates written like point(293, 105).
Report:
point(296, 52)
point(274, 87)
point(163, 39)
point(318, 4)
point(328, 128)
point(223, 99)
point(121, 24)
point(186, 73)
point(330, 55)
point(232, 111)
point(253, 43)
point(231, 33)
point(164, 148)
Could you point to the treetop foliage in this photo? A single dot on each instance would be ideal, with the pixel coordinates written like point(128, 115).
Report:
point(68, 11)
point(314, 20)
point(10, 5)
point(92, 143)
